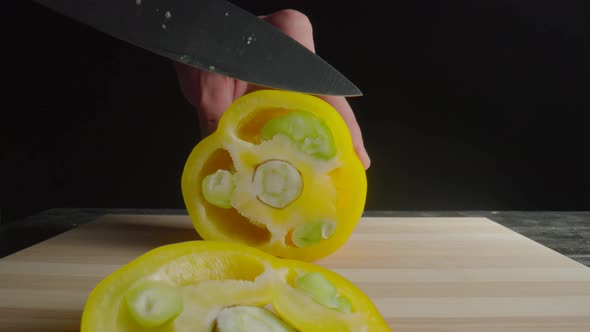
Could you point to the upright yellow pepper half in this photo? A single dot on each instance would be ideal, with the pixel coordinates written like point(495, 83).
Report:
point(280, 174)
point(208, 286)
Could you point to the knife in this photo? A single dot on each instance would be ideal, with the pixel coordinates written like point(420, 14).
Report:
point(213, 35)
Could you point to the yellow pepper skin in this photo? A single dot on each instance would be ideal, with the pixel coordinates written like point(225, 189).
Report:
point(210, 276)
point(321, 179)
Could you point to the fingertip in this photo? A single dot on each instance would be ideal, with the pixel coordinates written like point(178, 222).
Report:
point(363, 156)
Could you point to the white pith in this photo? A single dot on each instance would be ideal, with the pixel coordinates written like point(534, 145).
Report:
point(317, 184)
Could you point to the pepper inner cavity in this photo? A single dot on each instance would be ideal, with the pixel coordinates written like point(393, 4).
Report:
point(277, 183)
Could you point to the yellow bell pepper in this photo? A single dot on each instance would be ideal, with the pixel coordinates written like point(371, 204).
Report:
point(210, 286)
point(280, 174)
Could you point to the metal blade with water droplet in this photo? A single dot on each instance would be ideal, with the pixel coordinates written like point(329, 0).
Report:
point(213, 35)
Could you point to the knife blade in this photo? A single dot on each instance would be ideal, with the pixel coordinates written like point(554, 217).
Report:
point(213, 35)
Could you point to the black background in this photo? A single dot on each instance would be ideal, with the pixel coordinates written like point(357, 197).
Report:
point(468, 105)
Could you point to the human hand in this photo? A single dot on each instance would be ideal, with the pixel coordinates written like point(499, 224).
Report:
point(212, 93)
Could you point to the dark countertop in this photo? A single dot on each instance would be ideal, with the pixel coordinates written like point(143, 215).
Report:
point(565, 232)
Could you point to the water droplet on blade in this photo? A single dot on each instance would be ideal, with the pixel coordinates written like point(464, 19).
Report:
point(168, 15)
point(164, 26)
point(138, 2)
point(211, 68)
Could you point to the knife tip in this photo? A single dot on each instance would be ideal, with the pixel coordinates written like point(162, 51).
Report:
point(352, 91)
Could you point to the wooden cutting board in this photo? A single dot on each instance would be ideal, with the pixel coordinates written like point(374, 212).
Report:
point(424, 274)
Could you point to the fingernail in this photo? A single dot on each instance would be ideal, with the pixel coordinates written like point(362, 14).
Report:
point(364, 157)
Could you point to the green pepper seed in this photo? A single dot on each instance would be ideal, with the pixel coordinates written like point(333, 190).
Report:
point(218, 188)
point(312, 233)
point(277, 183)
point(153, 303)
point(320, 289)
point(249, 319)
point(344, 305)
point(309, 133)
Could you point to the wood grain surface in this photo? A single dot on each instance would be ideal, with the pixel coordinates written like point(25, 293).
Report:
point(424, 274)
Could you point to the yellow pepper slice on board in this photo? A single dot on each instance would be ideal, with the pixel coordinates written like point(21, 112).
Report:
point(207, 286)
point(280, 174)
